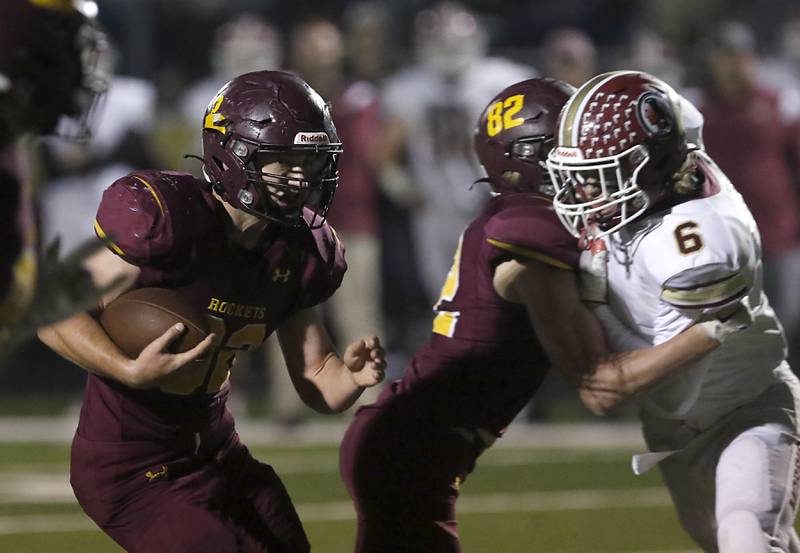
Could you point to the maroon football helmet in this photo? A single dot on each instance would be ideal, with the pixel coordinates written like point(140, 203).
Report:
point(620, 145)
point(53, 63)
point(271, 116)
point(515, 133)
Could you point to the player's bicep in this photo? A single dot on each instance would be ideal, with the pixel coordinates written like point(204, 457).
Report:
point(569, 334)
point(107, 268)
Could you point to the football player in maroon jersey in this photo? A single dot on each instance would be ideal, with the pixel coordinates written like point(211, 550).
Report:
point(50, 68)
point(509, 309)
point(157, 462)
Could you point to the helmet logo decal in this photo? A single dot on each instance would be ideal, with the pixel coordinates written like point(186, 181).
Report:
point(311, 138)
point(654, 114)
point(500, 115)
point(214, 118)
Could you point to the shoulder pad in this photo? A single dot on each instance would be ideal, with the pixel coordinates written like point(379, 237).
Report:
point(147, 213)
point(324, 268)
point(530, 229)
point(702, 260)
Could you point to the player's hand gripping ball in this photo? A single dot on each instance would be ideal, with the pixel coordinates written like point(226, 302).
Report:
point(164, 335)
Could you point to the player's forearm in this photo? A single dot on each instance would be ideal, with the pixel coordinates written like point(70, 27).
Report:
point(83, 341)
point(579, 345)
point(637, 371)
point(331, 388)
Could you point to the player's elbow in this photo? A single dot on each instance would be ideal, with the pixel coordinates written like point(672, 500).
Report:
point(48, 336)
point(314, 396)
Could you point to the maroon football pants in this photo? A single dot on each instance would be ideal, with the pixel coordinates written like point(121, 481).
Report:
point(403, 475)
point(231, 503)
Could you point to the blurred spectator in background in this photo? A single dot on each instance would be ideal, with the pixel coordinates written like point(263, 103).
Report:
point(782, 71)
point(426, 154)
point(648, 51)
point(80, 172)
point(568, 55)
point(367, 41)
point(241, 45)
point(244, 44)
point(758, 144)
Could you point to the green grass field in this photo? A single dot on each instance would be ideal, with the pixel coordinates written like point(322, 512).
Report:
point(518, 500)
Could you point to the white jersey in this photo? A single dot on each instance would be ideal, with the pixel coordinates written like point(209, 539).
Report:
point(440, 116)
point(669, 270)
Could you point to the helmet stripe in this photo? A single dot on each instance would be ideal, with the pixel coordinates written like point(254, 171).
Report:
point(570, 110)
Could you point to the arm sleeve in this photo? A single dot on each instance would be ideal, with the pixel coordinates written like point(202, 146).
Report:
point(717, 271)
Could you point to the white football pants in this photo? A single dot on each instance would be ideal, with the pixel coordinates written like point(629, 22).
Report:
point(744, 502)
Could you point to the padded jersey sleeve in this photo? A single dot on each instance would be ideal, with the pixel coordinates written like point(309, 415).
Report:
point(324, 266)
point(149, 216)
point(531, 230)
point(704, 264)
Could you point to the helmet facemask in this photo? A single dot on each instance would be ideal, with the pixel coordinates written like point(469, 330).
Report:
point(602, 194)
point(300, 177)
point(620, 143)
point(533, 150)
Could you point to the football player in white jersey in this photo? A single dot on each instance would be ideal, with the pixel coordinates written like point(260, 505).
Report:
point(683, 249)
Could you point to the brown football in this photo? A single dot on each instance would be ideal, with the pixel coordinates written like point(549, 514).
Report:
point(138, 317)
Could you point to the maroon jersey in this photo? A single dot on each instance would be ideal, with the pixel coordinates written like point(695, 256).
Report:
point(170, 225)
point(484, 362)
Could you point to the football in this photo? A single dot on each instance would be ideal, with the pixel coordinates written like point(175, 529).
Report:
point(138, 317)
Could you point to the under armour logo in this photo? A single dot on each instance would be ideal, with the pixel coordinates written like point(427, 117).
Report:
point(281, 276)
point(151, 476)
